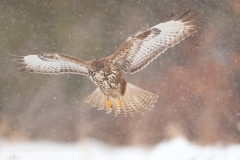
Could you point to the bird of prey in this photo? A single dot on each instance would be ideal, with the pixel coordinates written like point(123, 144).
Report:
point(113, 93)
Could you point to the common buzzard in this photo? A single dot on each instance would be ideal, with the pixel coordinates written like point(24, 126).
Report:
point(113, 93)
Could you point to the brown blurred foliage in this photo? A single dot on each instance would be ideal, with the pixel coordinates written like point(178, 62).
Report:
point(198, 81)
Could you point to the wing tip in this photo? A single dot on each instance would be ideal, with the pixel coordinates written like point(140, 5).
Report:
point(169, 18)
point(38, 51)
point(186, 19)
point(23, 70)
point(183, 15)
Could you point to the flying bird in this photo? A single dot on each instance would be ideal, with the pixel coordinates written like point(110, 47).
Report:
point(113, 93)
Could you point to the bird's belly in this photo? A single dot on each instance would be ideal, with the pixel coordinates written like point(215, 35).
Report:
point(107, 86)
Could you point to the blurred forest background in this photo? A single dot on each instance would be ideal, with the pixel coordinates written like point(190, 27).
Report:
point(198, 80)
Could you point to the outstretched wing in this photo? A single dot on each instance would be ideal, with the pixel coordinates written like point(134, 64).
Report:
point(146, 45)
point(52, 63)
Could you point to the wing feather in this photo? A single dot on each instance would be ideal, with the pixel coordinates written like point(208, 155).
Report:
point(150, 43)
point(52, 63)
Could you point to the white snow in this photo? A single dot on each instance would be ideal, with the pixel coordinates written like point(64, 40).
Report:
point(90, 149)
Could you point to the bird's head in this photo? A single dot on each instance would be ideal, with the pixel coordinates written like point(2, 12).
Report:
point(100, 70)
point(98, 66)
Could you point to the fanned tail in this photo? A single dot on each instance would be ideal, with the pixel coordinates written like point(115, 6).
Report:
point(134, 98)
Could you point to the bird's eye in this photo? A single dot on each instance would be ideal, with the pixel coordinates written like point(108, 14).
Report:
point(101, 71)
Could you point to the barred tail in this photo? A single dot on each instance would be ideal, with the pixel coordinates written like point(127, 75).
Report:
point(134, 98)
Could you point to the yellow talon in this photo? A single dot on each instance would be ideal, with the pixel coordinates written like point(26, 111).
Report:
point(109, 104)
point(120, 103)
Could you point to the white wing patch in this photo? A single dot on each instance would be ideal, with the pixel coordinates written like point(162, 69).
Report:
point(53, 63)
point(171, 33)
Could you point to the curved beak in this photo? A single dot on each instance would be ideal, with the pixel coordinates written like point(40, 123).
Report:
point(101, 72)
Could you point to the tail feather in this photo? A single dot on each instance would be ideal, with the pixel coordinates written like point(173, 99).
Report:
point(146, 101)
point(134, 102)
point(125, 109)
point(96, 99)
point(104, 106)
point(143, 99)
point(137, 105)
point(90, 98)
point(134, 98)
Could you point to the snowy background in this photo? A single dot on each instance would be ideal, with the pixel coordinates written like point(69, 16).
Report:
point(90, 149)
point(198, 81)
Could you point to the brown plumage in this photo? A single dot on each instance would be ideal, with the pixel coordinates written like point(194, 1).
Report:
point(113, 93)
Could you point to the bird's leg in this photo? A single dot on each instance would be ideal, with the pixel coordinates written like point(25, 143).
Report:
point(109, 103)
point(119, 102)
